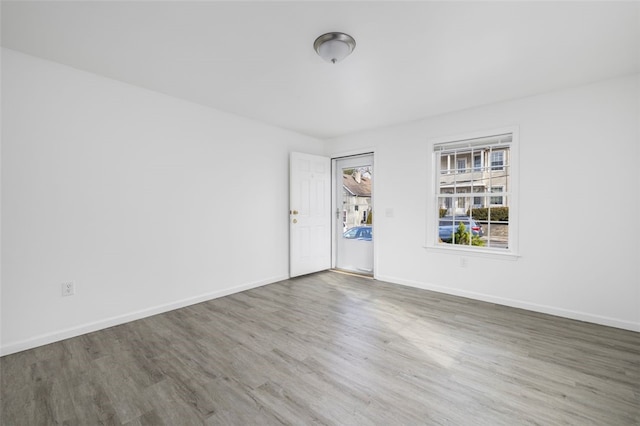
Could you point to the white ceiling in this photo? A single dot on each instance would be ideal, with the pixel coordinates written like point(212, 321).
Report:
point(412, 59)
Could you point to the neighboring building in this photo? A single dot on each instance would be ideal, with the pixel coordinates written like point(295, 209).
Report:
point(476, 172)
point(356, 198)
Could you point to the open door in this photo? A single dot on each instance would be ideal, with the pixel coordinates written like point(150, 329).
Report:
point(354, 214)
point(309, 214)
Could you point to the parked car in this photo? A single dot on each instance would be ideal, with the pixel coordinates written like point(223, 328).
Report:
point(364, 233)
point(448, 227)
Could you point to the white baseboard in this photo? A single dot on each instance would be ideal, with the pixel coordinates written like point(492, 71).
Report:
point(56, 336)
point(545, 309)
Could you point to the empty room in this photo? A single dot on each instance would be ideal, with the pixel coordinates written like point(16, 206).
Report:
point(320, 212)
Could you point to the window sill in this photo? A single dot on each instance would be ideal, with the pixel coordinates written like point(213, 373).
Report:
point(474, 252)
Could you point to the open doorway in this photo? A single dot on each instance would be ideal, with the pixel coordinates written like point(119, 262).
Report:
point(354, 221)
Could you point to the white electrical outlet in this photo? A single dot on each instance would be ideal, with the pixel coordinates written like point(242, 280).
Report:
point(463, 262)
point(68, 288)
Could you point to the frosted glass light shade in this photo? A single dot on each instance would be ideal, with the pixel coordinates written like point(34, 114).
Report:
point(334, 47)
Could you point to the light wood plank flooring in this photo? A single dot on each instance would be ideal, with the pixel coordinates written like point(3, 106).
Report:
point(331, 349)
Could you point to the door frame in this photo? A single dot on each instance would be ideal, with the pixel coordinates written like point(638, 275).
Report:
point(334, 202)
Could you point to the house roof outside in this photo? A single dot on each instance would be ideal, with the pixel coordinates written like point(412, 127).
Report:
point(360, 186)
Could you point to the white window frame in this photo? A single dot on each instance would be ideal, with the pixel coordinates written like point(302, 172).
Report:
point(432, 217)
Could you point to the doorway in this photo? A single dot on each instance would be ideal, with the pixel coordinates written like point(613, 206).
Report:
point(354, 222)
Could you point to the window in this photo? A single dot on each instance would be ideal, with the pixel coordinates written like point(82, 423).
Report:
point(497, 160)
point(496, 200)
point(477, 162)
point(472, 209)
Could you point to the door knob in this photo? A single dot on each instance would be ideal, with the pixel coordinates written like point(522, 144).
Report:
point(295, 220)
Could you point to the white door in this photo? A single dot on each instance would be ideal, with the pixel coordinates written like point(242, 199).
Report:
point(354, 214)
point(309, 214)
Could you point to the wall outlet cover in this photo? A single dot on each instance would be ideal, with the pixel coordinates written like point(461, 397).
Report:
point(68, 288)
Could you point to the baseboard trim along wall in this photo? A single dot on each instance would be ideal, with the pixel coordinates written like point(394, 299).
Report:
point(551, 310)
point(122, 319)
point(57, 336)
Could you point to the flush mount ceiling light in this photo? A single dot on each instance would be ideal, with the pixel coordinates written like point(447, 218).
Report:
point(334, 47)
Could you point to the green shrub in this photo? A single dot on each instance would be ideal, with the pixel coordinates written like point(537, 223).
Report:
point(462, 237)
point(443, 212)
point(498, 214)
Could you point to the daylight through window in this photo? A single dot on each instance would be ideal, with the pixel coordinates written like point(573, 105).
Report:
point(473, 203)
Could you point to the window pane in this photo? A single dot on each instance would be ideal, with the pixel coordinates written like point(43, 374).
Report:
point(356, 197)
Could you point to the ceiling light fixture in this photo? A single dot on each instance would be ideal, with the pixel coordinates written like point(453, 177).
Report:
point(334, 47)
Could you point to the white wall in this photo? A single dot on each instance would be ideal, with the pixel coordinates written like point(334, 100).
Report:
point(145, 201)
point(578, 208)
point(150, 203)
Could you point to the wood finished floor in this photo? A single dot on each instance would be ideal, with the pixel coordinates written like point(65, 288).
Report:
point(331, 349)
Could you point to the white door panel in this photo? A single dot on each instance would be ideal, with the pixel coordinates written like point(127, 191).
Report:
point(355, 256)
point(309, 214)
